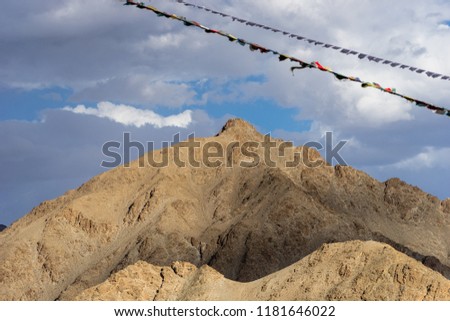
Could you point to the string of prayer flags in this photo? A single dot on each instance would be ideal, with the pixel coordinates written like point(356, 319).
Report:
point(282, 57)
point(345, 51)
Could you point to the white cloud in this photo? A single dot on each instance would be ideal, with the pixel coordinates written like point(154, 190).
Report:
point(131, 116)
point(431, 157)
point(373, 107)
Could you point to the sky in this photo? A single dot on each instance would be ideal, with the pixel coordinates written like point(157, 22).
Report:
point(77, 74)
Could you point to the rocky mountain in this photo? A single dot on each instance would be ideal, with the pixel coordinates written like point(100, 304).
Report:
point(2, 227)
point(353, 270)
point(244, 218)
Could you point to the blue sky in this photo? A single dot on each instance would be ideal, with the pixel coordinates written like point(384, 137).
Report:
point(74, 75)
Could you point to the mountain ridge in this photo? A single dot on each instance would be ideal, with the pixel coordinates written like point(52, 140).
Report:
point(245, 222)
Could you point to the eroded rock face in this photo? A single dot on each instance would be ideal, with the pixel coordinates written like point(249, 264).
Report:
point(352, 270)
point(244, 222)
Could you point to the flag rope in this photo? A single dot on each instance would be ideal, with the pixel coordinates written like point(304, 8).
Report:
point(342, 50)
point(284, 57)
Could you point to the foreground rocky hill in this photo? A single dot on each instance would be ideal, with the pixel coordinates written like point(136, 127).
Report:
point(353, 270)
point(244, 222)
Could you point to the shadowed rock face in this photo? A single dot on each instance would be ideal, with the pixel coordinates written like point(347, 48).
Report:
point(244, 222)
point(2, 227)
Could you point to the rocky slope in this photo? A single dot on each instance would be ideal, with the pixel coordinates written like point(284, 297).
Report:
point(2, 227)
point(353, 270)
point(244, 222)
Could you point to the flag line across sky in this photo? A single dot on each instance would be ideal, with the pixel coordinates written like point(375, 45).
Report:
point(284, 57)
point(345, 51)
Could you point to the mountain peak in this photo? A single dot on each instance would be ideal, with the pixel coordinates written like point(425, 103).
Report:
point(239, 129)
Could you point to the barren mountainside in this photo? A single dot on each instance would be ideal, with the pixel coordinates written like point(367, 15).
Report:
point(245, 223)
point(2, 227)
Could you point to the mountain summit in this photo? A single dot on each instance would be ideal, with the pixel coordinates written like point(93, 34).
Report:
point(239, 128)
point(241, 205)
